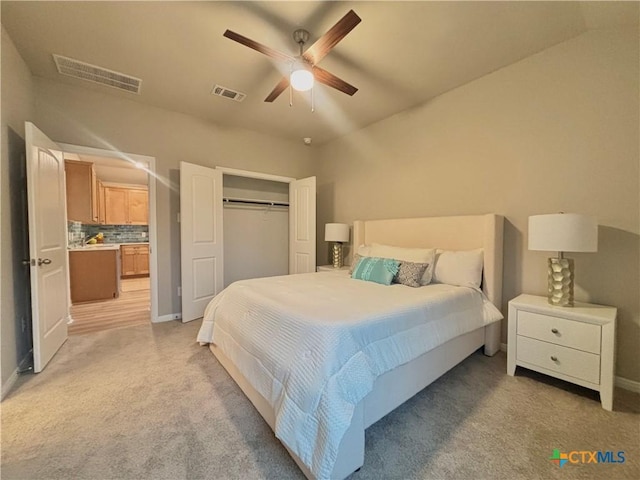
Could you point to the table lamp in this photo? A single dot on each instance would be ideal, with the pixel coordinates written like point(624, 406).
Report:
point(562, 232)
point(336, 233)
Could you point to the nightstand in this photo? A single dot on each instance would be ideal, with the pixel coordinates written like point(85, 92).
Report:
point(329, 268)
point(575, 344)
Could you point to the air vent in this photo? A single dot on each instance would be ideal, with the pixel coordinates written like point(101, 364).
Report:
point(225, 92)
point(93, 73)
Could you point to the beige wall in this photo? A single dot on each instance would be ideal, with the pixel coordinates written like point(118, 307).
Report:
point(85, 117)
point(17, 106)
point(557, 131)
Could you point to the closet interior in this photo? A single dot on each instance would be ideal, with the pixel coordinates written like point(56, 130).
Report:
point(256, 228)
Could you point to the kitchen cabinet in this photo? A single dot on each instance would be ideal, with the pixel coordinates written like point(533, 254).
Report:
point(138, 207)
point(82, 195)
point(101, 204)
point(135, 260)
point(93, 274)
point(126, 206)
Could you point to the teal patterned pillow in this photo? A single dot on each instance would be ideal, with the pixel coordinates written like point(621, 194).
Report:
point(378, 270)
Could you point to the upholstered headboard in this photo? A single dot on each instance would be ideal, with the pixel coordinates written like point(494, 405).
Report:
point(448, 233)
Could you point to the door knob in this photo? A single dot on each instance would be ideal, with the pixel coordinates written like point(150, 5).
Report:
point(44, 261)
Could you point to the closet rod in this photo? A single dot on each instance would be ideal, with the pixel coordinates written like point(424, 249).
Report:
point(255, 202)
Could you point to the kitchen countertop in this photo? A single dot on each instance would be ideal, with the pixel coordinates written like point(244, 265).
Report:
point(97, 246)
point(103, 246)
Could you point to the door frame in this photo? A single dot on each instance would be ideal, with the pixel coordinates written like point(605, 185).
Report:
point(153, 236)
point(259, 175)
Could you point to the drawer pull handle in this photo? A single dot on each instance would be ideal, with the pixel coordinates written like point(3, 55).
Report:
point(554, 330)
point(554, 358)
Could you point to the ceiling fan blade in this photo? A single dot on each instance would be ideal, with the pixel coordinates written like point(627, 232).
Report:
point(280, 87)
point(331, 80)
point(324, 44)
point(247, 42)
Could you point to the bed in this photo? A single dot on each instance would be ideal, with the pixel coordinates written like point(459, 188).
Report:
point(270, 350)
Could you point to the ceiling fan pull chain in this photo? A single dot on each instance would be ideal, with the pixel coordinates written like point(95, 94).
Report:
point(313, 102)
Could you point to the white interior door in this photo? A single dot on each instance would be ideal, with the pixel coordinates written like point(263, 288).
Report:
point(47, 244)
point(201, 238)
point(302, 225)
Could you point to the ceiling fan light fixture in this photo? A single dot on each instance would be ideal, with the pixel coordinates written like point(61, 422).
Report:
point(302, 79)
point(304, 66)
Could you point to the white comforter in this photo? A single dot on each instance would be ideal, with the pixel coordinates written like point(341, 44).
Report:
point(313, 345)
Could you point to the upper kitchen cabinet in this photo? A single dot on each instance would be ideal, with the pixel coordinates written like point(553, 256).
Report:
point(126, 206)
point(82, 194)
point(138, 207)
point(102, 205)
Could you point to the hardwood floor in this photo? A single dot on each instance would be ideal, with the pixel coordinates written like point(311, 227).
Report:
point(133, 284)
point(132, 307)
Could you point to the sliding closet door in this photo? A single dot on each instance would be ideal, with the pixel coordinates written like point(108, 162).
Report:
point(302, 225)
point(201, 238)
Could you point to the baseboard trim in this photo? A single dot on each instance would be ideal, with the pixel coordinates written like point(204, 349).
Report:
point(503, 347)
point(627, 384)
point(25, 365)
point(168, 318)
point(8, 385)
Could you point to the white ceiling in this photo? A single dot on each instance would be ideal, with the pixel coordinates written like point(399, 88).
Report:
point(402, 53)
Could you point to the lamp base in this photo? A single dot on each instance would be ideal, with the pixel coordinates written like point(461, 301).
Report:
point(560, 282)
point(336, 252)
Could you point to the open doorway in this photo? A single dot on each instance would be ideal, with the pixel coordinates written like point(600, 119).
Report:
point(111, 232)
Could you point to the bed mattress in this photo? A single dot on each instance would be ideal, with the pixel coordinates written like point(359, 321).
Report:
point(313, 344)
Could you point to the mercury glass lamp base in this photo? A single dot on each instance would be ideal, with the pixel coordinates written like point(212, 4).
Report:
point(560, 282)
point(336, 253)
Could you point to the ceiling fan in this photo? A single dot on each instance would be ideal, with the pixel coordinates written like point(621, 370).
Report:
point(304, 68)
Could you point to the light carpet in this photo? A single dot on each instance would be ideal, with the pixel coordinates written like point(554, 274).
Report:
point(148, 402)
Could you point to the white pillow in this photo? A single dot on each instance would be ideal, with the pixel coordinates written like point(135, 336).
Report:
point(414, 255)
point(463, 267)
point(364, 251)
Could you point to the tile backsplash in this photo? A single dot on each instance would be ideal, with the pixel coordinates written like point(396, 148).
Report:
point(112, 233)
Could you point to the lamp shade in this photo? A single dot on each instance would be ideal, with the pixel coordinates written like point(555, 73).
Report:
point(563, 232)
point(336, 232)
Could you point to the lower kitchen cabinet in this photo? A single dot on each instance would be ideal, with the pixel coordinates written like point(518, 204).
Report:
point(93, 275)
point(135, 260)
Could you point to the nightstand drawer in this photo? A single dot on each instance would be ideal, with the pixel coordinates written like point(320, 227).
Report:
point(561, 331)
point(582, 365)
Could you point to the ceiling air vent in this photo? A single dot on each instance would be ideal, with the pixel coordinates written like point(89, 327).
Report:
point(225, 92)
point(93, 73)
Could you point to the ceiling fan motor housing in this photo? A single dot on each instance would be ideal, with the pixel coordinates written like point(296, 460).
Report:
point(301, 36)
